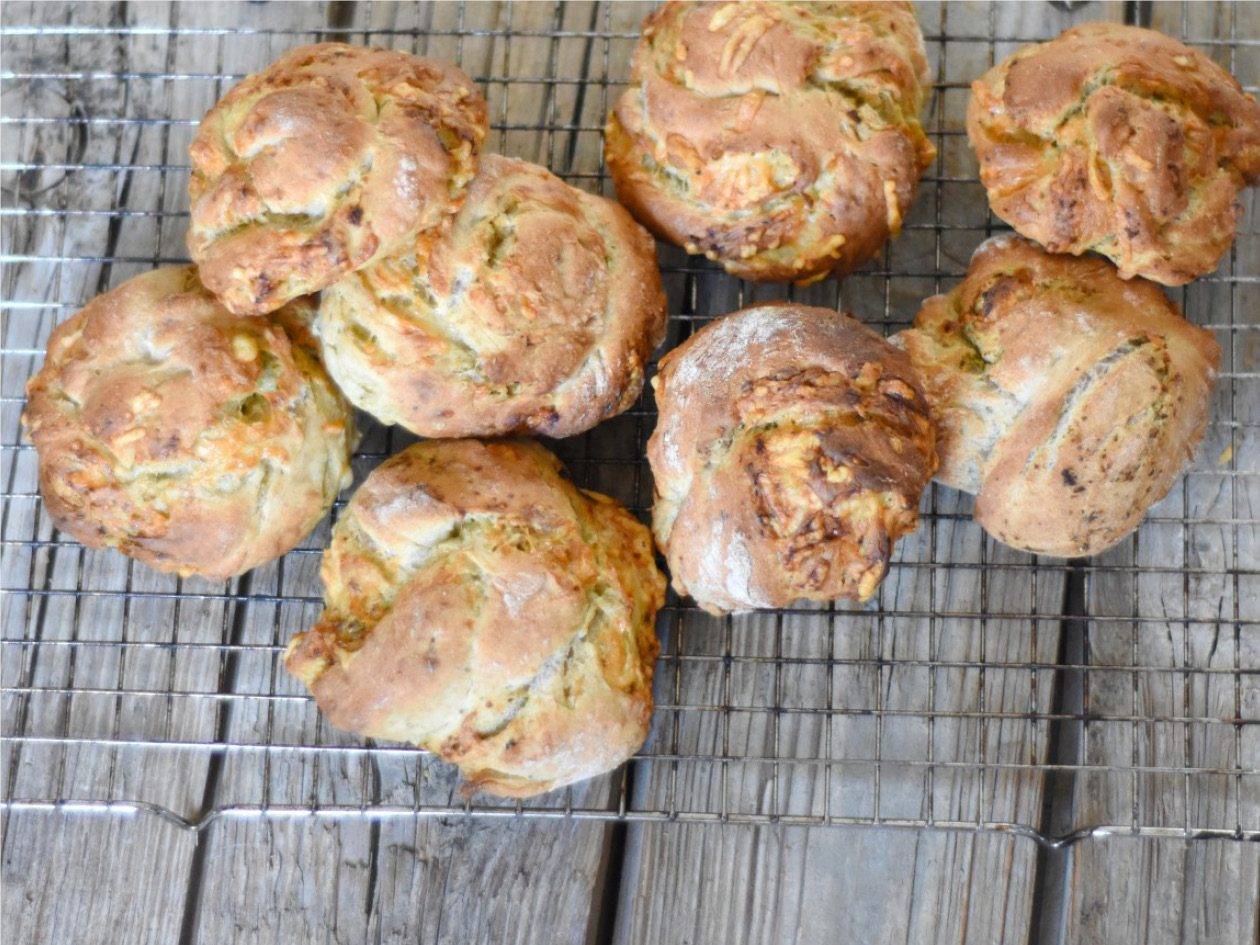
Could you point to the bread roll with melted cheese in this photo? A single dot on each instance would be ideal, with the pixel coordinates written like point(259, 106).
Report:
point(1067, 399)
point(535, 313)
point(192, 439)
point(790, 453)
point(328, 159)
point(1119, 140)
point(477, 604)
point(781, 139)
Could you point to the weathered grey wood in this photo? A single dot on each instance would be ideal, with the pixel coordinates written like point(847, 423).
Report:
point(1176, 891)
point(87, 879)
point(72, 878)
point(401, 881)
point(694, 884)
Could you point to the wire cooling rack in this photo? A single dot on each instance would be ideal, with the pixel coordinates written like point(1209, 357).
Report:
point(984, 689)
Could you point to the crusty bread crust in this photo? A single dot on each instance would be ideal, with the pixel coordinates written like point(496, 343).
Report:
point(192, 439)
point(782, 139)
point(792, 446)
point(1067, 399)
point(535, 313)
point(481, 606)
point(1119, 140)
point(326, 160)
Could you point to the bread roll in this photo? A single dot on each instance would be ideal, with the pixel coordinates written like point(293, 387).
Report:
point(479, 605)
point(192, 439)
point(782, 139)
point(326, 160)
point(790, 453)
point(534, 314)
point(1067, 399)
point(1119, 140)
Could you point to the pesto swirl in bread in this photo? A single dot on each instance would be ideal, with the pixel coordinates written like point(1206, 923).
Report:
point(1067, 399)
point(476, 603)
point(534, 313)
point(329, 158)
point(781, 139)
point(192, 439)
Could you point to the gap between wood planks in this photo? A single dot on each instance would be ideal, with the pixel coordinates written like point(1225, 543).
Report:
point(340, 14)
point(1049, 902)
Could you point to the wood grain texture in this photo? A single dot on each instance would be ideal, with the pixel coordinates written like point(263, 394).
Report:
point(806, 688)
point(699, 884)
point(88, 879)
point(400, 881)
point(1176, 891)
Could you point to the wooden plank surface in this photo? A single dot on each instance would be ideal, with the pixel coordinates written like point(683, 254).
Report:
point(398, 880)
point(111, 877)
point(698, 884)
point(73, 878)
point(1173, 891)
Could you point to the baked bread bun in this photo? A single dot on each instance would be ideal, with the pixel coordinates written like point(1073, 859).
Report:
point(781, 139)
point(326, 160)
point(1119, 140)
point(790, 453)
point(1067, 399)
point(192, 439)
point(479, 605)
point(534, 314)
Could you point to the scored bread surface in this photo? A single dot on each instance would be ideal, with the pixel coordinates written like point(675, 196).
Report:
point(1067, 399)
point(195, 440)
point(481, 606)
point(327, 159)
point(1119, 140)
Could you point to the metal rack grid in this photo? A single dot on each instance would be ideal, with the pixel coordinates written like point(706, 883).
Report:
point(984, 689)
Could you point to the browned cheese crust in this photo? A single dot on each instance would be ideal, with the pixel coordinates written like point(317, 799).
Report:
point(792, 446)
point(479, 605)
point(1119, 140)
point(535, 313)
point(1067, 399)
point(782, 139)
point(326, 160)
point(192, 439)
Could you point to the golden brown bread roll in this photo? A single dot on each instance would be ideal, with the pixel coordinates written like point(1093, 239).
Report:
point(1067, 400)
point(1119, 140)
point(782, 139)
point(326, 160)
point(192, 439)
point(790, 453)
point(481, 606)
point(535, 313)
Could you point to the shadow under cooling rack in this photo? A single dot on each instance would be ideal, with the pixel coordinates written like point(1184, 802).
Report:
point(983, 690)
